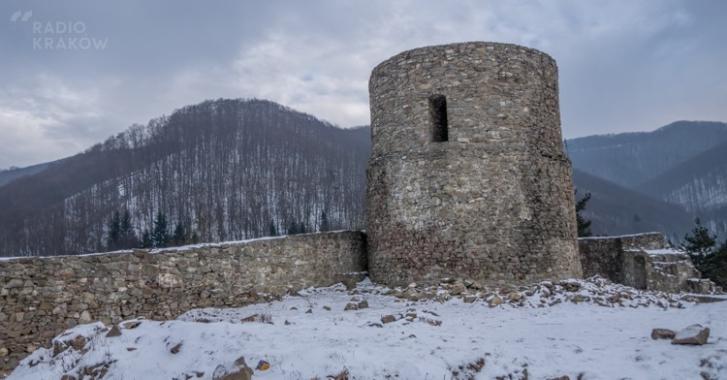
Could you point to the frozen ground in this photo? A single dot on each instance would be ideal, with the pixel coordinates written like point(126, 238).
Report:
point(310, 335)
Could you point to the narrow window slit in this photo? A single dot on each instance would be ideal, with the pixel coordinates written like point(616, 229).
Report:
point(438, 113)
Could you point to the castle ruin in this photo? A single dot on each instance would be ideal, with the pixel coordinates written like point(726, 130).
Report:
point(467, 179)
point(467, 175)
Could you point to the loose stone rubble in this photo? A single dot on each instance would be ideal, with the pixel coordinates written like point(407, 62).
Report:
point(595, 290)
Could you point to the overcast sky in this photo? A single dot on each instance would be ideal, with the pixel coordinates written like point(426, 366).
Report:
point(75, 72)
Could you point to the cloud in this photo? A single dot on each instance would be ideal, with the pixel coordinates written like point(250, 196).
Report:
point(624, 65)
point(44, 118)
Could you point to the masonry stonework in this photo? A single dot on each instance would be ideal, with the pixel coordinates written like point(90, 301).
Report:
point(41, 297)
point(643, 261)
point(467, 175)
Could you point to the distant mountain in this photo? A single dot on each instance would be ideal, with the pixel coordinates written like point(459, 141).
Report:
point(630, 159)
point(238, 169)
point(698, 184)
point(223, 170)
point(614, 209)
point(9, 175)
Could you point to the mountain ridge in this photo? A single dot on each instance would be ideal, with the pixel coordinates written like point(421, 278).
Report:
point(225, 169)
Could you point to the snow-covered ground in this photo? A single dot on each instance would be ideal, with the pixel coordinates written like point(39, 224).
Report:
point(310, 335)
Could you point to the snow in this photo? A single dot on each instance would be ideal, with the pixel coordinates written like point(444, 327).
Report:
point(660, 251)
point(664, 251)
point(689, 331)
point(182, 248)
point(567, 338)
point(609, 237)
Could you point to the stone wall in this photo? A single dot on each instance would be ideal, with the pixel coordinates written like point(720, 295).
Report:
point(643, 261)
point(41, 297)
point(490, 198)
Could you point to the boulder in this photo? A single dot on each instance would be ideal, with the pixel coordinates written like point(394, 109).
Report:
point(78, 343)
point(494, 301)
point(692, 335)
point(351, 306)
point(662, 334)
point(388, 319)
point(115, 331)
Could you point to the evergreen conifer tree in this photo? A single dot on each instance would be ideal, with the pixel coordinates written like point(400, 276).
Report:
point(272, 231)
point(699, 244)
point(180, 235)
point(325, 226)
point(584, 225)
point(160, 234)
point(114, 230)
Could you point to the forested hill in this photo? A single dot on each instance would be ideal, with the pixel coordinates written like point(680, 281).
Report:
point(219, 170)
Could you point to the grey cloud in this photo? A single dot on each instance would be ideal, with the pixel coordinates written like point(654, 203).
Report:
point(624, 65)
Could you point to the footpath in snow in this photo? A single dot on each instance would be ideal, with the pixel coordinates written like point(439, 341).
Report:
point(582, 329)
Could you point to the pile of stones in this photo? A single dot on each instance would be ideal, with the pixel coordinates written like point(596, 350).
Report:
point(595, 290)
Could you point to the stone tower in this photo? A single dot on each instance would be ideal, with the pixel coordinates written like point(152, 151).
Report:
point(467, 176)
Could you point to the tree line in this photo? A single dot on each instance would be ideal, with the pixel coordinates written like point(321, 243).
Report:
point(120, 233)
point(217, 171)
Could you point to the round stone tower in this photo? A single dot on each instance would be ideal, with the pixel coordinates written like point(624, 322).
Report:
point(467, 176)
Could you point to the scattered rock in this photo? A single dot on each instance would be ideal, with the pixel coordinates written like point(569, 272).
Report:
point(242, 372)
point(68, 377)
point(514, 296)
point(115, 331)
point(692, 335)
point(58, 347)
point(343, 375)
point(327, 308)
point(78, 343)
point(564, 377)
point(477, 365)
point(177, 347)
point(240, 362)
point(262, 365)
point(239, 374)
point(469, 299)
point(457, 289)
point(131, 325)
point(130, 348)
point(363, 304)
point(261, 318)
point(662, 334)
point(494, 301)
point(388, 319)
point(570, 286)
point(351, 306)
